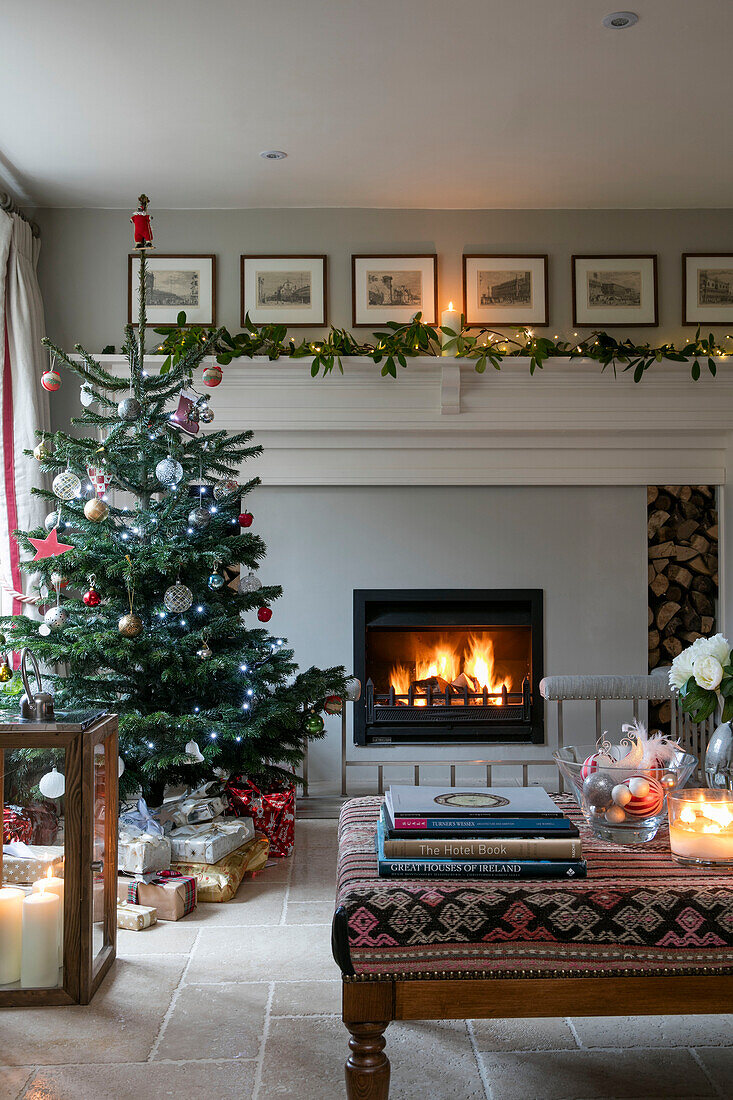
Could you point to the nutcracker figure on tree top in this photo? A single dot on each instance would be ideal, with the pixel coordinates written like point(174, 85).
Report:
point(141, 223)
point(139, 615)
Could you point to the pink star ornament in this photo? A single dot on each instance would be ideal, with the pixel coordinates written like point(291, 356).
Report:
point(50, 547)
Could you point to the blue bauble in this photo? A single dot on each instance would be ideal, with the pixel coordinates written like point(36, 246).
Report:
point(216, 581)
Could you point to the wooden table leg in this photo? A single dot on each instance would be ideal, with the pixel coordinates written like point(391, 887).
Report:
point(367, 1067)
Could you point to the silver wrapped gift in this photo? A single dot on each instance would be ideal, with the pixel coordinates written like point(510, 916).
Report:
point(140, 852)
point(192, 808)
point(210, 841)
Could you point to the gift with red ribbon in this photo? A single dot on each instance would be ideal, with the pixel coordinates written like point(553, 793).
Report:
point(273, 812)
point(17, 825)
point(173, 894)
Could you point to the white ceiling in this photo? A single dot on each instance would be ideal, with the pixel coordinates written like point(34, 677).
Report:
point(379, 103)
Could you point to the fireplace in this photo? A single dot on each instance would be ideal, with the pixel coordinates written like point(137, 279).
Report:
point(448, 666)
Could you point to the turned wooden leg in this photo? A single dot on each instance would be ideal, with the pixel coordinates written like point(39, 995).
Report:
point(367, 1067)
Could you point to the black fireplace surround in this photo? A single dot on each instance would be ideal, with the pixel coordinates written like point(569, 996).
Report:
point(448, 666)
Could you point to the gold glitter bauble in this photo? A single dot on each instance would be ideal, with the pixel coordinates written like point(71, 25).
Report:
point(42, 450)
point(6, 673)
point(96, 510)
point(130, 625)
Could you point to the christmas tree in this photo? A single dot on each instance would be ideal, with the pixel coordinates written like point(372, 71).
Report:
point(145, 613)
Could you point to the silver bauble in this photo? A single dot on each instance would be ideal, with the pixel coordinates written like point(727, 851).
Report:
point(129, 408)
point(55, 618)
point(66, 485)
point(51, 521)
point(199, 518)
point(206, 415)
point(225, 488)
point(204, 653)
point(597, 790)
point(178, 598)
point(250, 583)
point(169, 472)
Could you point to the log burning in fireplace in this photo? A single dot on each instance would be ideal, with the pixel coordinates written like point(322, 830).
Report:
point(447, 669)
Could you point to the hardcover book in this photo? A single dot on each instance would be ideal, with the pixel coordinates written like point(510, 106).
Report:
point(492, 802)
point(460, 828)
point(482, 848)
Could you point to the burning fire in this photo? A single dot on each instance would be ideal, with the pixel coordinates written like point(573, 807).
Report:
point(476, 662)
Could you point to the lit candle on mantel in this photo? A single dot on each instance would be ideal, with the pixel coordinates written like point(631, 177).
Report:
point(11, 924)
point(39, 957)
point(52, 885)
point(449, 318)
point(701, 826)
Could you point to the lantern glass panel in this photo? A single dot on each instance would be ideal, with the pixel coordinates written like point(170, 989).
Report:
point(32, 866)
point(100, 932)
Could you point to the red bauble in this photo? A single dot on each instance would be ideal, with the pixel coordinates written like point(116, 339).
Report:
point(92, 598)
point(245, 519)
point(212, 375)
point(645, 805)
point(264, 614)
point(333, 704)
point(50, 380)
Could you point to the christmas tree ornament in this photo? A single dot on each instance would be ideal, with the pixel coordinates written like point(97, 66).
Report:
point(56, 618)
point(245, 519)
point(353, 689)
point(58, 580)
point(178, 598)
point(192, 750)
point(96, 510)
point(264, 614)
point(314, 724)
point(169, 472)
point(100, 478)
point(186, 415)
point(597, 790)
point(141, 222)
point(647, 796)
point(200, 518)
point(52, 520)
point(44, 630)
point(91, 597)
point(86, 395)
point(215, 581)
point(225, 488)
point(212, 375)
point(250, 583)
point(50, 547)
point(51, 380)
point(205, 652)
point(66, 485)
point(52, 784)
point(206, 415)
point(120, 767)
point(333, 704)
point(129, 408)
point(6, 672)
point(42, 450)
point(130, 625)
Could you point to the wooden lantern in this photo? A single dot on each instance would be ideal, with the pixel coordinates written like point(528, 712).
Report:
point(83, 866)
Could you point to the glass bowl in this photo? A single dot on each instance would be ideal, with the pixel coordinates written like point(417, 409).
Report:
point(623, 816)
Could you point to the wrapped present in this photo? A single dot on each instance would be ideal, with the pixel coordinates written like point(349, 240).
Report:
point(44, 821)
point(273, 812)
point(203, 804)
point(172, 894)
point(139, 819)
point(141, 853)
point(17, 825)
point(210, 841)
point(135, 917)
point(220, 881)
point(23, 863)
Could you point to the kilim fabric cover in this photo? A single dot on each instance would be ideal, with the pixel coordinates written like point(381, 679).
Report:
point(637, 912)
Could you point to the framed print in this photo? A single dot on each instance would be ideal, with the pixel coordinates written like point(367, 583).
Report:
point(174, 283)
point(615, 290)
point(505, 290)
point(707, 288)
point(393, 288)
point(284, 290)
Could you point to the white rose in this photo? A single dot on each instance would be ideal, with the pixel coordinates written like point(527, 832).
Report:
point(708, 672)
point(681, 669)
point(719, 648)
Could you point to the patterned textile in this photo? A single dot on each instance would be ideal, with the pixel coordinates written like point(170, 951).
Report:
point(636, 912)
point(273, 812)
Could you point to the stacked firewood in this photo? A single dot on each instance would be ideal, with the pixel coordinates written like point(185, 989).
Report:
point(682, 529)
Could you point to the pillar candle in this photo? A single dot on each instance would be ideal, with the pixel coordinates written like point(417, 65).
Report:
point(11, 923)
point(450, 318)
point(53, 885)
point(39, 962)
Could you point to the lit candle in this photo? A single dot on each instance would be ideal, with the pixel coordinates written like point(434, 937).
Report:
point(39, 961)
point(11, 923)
point(701, 826)
point(449, 318)
point(52, 885)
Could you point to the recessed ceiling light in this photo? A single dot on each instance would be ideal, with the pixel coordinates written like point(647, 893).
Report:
point(618, 20)
point(273, 154)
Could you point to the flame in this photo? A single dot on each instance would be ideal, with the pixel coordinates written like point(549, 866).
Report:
point(49, 873)
point(444, 660)
point(480, 664)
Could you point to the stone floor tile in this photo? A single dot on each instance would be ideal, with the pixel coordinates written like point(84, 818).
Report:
point(276, 870)
point(306, 998)
point(312, 889)
point(256, 902)
point(12, 1080)
point(164, 938)
point(223, 1080)
point(317, 833)
point(596, 1075)
point(718, 1063)
point(264, 954)
point(552, 1033)
point(309, 912)
point(304, 1059)
point(433, 1058)
point(654, 1031)
point(120, 1025)
point(214, 1021)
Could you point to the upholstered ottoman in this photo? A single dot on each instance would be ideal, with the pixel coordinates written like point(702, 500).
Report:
point(640, 935)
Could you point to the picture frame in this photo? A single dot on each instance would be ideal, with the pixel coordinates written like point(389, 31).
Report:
point(502, 289)
point(288, 290)
point(185, 281)
point(707, 288)
point(615, 290)
point(393, 287)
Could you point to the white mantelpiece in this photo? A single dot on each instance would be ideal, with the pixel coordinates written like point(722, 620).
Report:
point(440, 423)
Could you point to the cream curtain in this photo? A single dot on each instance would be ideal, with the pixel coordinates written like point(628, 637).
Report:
point(23, 402)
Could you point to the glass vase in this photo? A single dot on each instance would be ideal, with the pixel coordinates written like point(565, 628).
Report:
point(719, 759)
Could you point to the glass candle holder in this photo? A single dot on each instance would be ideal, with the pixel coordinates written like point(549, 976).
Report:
point(701, 827)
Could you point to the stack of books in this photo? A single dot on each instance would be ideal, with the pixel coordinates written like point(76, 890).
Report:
point(494, 832)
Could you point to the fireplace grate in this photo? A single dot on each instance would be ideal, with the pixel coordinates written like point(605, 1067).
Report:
point(449, 706)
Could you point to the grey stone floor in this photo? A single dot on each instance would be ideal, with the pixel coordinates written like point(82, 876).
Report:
point(242, 1001)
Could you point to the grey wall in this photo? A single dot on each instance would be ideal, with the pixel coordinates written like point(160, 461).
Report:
point(83, 265)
